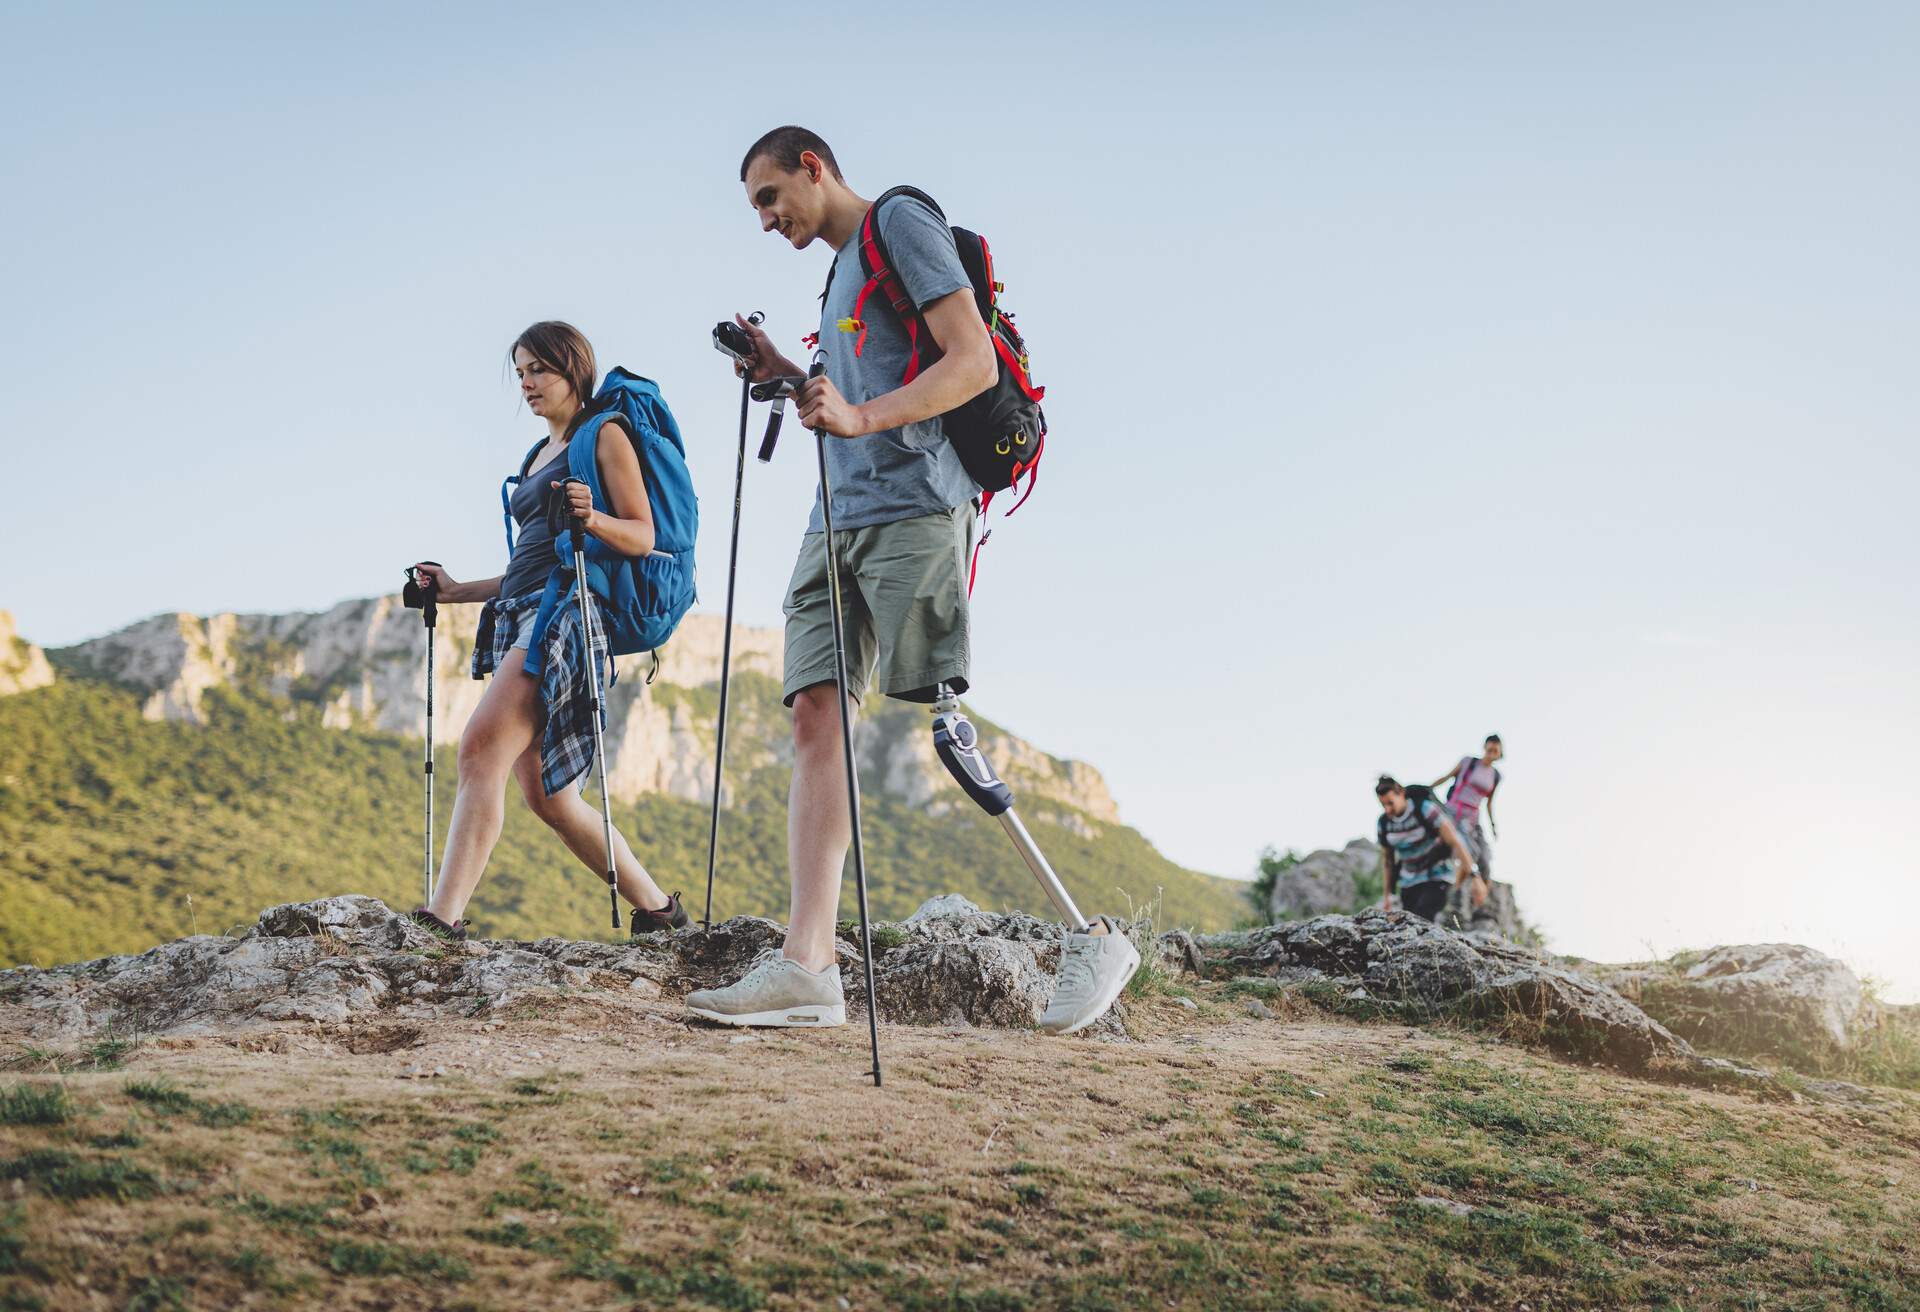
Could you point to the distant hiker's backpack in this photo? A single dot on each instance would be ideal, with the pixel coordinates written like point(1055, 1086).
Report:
point(1000, 433)
point(642, 598)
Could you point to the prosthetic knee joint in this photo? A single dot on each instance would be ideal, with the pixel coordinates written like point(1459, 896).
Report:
point(957, 743)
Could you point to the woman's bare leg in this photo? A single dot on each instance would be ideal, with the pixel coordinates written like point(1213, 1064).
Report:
point(505, 722)
point(578, 825)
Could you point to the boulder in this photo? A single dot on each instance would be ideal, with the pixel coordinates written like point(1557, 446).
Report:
point(977, 981)
point(1392, 963)
point(1753, 1000)
point(1324, 881)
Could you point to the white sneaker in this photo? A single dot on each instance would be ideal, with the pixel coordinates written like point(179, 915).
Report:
point(1093, 970)
point(776, 992)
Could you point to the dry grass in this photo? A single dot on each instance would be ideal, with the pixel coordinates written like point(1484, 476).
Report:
point(1215, 1162)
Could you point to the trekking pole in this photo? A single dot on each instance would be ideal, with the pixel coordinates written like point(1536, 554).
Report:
point(730, 339)
point(425, 597)
point(589, 640)
point(846, 731)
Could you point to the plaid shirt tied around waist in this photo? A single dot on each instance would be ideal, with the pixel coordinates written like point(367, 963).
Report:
point(566, 743)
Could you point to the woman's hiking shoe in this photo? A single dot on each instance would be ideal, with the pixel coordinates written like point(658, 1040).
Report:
point(776, 992)
point(670, 917)
point(454, 933)
point(1093, 970)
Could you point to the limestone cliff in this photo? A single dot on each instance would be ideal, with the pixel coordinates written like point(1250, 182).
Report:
point(23, 666)
point(364, 664)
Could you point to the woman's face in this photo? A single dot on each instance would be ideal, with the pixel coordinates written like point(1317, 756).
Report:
point(545, 390)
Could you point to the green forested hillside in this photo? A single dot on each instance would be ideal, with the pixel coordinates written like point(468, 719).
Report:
point(117, 833)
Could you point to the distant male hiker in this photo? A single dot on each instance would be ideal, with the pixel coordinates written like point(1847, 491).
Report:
point(903, 509)
point(1474, 780)
point(1421, 851)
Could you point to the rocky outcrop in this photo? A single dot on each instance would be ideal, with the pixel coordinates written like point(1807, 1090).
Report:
point(1324, 882)
point(1755, 1000)
point(363, 663)
point(950, 963)
point(23, 666)
point(350, 956)
point(1391, 963)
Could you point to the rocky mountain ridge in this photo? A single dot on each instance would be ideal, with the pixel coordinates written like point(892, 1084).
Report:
point(363, 663)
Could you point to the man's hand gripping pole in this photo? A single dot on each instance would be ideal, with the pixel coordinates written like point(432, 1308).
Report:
point(957, 743)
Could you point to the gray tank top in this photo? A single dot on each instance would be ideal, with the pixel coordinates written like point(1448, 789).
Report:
point(533, 556)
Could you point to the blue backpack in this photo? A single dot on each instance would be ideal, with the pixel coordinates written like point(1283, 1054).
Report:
point(641, 598)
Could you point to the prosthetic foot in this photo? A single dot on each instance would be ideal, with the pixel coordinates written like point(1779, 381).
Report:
point(957, 743)
point(1094, 968)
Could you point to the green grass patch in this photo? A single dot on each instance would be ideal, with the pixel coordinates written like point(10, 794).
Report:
point(63, 1175)
point(166, 1099)
point(158, 1294)
point(35, 1104)
point(297, 1218)
point(351, 1258)
point(539, 1190)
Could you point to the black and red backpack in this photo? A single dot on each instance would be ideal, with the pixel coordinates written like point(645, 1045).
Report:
point(999, 435)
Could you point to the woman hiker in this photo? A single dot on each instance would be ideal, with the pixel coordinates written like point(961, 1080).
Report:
point(1474, 780)
point(514, 721)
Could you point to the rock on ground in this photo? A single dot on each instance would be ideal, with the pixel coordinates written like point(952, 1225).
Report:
point(1405, 965)
point(340, 957)
point(1754, 1000)
point(1324, 881)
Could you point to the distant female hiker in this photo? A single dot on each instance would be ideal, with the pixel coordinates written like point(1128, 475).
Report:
point(527, 725)
point(1474, 781)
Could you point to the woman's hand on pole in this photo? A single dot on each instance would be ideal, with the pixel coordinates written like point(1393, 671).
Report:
point(579, 503)
point(445, 587)
point(767, 360)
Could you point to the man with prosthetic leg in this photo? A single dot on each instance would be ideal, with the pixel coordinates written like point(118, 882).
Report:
point(903, 509)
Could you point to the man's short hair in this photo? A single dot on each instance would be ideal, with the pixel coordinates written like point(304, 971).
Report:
point(785, 145)
point(1387, 784)
point(1494, 738)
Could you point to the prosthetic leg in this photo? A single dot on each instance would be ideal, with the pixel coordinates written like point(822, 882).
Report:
point(958, 745)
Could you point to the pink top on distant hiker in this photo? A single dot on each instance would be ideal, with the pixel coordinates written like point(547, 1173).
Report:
point(1475, 784)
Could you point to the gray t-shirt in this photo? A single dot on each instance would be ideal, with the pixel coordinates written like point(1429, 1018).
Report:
point(898, 473)
point(533, 555)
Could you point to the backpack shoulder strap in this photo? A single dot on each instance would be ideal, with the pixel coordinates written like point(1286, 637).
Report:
point(506, 490)
point(1427, 823)
point(877, 264)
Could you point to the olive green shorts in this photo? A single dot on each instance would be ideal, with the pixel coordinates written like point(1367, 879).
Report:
point(903, 599)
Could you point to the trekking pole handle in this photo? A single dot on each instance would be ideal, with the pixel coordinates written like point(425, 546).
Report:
point(776, 390)
point(421, 593)
point(560, 508)
point(819, 368)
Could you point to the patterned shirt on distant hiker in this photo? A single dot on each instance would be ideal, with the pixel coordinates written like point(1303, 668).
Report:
point(897, 473)
point(1421, 852)
point(1473, 784)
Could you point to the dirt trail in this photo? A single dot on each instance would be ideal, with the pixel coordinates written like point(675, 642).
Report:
point(600, 1151)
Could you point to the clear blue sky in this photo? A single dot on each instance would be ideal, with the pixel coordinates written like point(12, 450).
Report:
point(1415, 372)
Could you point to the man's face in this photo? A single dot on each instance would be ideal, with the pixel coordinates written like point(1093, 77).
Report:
point(1494, 753)
point(789, 202)
point(1393, 803)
